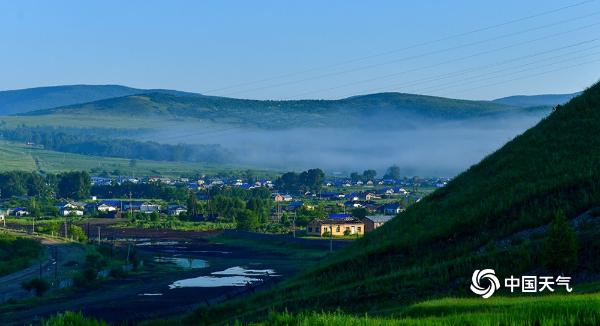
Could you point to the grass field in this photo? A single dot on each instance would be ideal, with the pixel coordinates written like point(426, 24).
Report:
point(565, 309)
point(20, 157)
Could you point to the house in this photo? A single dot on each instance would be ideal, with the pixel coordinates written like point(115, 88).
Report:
point(339, 216)
point(373, 222)
point(277, 197)
point(18, 212)
point(133, 206)
point(353, 197)
point(335, 227)
point(294, 205)
point(70, 209)
point(371, 196)
point(149, 208)
point(287, 198)
point(176, 210)
point(105, 208)
point(400, 191)
point(392, 209)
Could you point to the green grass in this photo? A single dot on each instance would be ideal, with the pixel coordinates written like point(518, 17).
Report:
point(179, 225)
point(546, 310)
point(19, 157)
point(69, 318)
point(16, 252)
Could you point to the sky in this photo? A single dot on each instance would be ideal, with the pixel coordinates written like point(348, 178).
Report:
point(305, 49)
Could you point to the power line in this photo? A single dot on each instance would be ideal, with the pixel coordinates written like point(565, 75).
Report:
point(529, 76)
point(486, 66)
point(417, 45)
point(413, 57)
point(487, 77)
point(527, 42)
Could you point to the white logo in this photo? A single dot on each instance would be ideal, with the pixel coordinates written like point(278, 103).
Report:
point(478, 276)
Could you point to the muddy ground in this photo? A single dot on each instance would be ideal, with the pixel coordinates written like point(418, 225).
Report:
point(146, 294)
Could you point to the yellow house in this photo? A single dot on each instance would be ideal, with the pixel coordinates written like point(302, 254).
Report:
point(321, 227)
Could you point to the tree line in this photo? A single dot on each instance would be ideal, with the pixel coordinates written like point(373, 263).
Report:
point(93, 144)
point(72, 185)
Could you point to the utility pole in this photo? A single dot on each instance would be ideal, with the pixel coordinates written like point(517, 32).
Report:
point(66, 230)
point(98, 235)
point(331, 237)
point(294, 225)
point(130, 206)
point(33, 224)
point(55, 264)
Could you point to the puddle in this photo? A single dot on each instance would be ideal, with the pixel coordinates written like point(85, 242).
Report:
point(150, 294)
point(157, 243)
point(237, 270)
point(187, 263)
point(213, 281)
point(133, 239)
point(233, 276)
point(198, 251)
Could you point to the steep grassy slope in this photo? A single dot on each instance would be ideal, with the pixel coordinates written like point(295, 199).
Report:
point(432, 249)
point(386, 109)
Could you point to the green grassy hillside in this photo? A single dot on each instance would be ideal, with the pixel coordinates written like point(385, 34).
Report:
point(432, 249)
point(19, 157)
point(385, 109)
point(39, 98)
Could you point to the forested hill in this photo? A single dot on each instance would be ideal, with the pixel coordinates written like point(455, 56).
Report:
point(39, 98)
point(377, 109)
point(536, 100)
point(482, 219)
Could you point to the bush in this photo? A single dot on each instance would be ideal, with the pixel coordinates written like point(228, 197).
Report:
point(69, 318)
point(39, 285)
point(560, 252)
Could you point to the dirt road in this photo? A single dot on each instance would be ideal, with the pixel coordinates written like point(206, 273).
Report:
point(47, 267)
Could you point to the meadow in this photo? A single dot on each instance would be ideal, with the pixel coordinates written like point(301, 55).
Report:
point(20, 157)
point(564, 309)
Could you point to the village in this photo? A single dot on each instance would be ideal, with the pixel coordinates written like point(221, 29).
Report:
point(341, 207)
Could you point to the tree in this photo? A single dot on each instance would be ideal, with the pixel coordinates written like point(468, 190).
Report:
point(369, 175)
point(355, 177)
point(192, 204)
point(312, 179)
point(288, 181)
point(74, 185)
point(360, 212)
point(39, 285)
point(247, 220)
point(560, 251)
point(393, 172)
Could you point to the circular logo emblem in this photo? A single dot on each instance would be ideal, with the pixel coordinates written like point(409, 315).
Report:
point(484, 276)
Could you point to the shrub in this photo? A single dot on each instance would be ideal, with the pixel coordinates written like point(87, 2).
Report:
point(69, 318)
point(39, 285)
point(560, 252)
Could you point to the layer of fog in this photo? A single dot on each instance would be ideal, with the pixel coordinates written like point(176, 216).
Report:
point(424, 149)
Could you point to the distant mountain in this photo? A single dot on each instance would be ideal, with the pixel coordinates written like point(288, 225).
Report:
point(536, 100)
point(383, 109)
point(39, 98)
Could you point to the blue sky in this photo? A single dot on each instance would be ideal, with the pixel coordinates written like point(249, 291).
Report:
point(304, 49)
